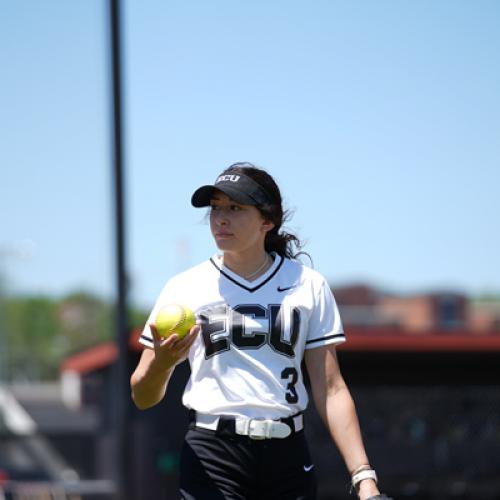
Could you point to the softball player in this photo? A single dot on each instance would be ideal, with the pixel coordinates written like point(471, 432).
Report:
point(260, 314)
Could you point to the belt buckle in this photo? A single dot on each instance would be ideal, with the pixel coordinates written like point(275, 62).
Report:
point(253, 433)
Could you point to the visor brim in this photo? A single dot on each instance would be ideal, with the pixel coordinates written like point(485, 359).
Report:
point(202, 196)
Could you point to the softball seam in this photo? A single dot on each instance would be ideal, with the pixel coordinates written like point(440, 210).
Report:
point(181, 320)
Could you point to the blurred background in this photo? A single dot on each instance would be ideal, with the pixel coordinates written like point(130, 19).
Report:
point(380, 122)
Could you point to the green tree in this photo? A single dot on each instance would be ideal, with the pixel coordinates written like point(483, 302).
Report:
point(30, 326)
point(39, 331)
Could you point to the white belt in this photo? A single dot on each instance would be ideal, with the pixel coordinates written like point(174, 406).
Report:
point(253, 428)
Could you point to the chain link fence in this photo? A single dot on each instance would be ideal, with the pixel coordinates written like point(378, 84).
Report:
point(426, 442)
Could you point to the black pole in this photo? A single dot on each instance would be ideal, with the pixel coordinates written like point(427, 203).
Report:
point(121, 390)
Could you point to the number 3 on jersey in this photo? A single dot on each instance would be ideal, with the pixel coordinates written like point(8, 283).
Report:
point(291, 375)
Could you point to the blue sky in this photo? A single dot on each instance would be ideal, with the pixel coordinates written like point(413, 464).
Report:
point(380, 121)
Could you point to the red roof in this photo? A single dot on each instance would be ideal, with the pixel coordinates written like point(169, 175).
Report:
point(390, 339)
point(98, 356)
point(358, 339)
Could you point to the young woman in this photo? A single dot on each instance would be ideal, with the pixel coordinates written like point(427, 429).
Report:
point(261, 313)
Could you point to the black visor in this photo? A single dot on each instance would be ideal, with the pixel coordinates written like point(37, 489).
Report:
point(238, 187)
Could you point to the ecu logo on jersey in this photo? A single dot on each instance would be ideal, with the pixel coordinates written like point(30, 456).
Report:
point(250, 326)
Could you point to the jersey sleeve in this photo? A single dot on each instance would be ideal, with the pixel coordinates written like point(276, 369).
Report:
point(165, 297)
point(325, 324)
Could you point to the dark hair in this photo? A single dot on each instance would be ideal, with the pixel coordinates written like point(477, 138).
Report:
point(277, 240)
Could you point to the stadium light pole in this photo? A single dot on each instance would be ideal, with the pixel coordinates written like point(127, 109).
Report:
point(120, 405)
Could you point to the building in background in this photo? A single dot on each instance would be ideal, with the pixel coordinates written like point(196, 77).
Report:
point(446, 311)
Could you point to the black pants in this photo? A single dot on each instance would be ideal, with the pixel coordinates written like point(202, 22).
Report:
point(223, 467)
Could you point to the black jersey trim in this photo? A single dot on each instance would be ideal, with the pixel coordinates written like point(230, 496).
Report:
point(241, 285)
point(328, 337)
point(148, 339)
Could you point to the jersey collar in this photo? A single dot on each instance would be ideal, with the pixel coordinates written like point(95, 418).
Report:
point(250, 286)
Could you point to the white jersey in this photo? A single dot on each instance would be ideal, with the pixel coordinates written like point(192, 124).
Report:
point(246, 362)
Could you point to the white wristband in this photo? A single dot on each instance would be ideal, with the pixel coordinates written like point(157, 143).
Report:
point(361, 476)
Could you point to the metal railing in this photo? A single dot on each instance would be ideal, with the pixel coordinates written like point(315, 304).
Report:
point(99, 489)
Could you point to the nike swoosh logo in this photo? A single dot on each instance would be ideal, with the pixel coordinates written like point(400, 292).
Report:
point(307, 468)
point(286, 288)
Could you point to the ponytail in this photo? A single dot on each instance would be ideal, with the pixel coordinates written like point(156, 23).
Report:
point(283, 243)
point(279, 241)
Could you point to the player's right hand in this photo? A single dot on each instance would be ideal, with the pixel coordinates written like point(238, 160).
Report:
point(172, 350)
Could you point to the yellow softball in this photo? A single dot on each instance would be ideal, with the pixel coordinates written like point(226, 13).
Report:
point(174, 318)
